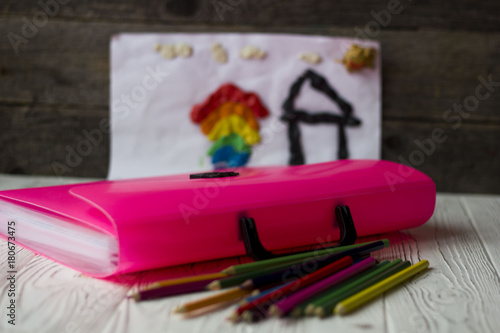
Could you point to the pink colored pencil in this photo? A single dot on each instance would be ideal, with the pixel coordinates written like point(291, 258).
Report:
point(283, 307)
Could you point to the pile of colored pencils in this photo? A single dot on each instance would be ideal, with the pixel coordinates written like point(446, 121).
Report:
point(318, 283)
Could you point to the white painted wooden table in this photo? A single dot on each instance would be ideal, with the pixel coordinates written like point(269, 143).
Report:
point(460, 293)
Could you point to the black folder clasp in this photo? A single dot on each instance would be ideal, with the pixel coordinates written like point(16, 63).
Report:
point(256, 250)
point(214, 174)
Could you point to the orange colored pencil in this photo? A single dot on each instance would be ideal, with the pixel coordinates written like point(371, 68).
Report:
point(229, 295)
point(187, 279)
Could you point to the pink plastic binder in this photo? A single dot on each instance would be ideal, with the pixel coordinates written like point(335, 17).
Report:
point(110, 227)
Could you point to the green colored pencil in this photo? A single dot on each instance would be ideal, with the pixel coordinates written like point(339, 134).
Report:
point(235, 280)
point(326, 307)
point(250, 267)
point(300, 310)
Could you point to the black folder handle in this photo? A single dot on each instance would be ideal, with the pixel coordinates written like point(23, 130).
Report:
point(256, 250)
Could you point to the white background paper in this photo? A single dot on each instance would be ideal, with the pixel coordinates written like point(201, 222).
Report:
point(156, 136)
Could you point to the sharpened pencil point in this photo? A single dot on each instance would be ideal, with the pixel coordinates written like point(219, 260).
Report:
point(180, 309)
point(248, 284)
point(339, 309)
point(135, 296)
point(229, 270)
point(274, 311)
point(320, 312)
point(152, 286)
point(234, 317)
point(247, 316)
point(215, 285)
point(309, 310)
point(255, 292)
point(297, 312)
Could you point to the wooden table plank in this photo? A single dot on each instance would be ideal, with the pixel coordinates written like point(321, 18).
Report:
point(459, 14)
point(54, 298)
point(11, 182)
point(484, 213)
point(461, 291)
point(22, 258)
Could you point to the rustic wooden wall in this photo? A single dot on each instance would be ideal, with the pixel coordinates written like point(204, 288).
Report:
point(434, 55)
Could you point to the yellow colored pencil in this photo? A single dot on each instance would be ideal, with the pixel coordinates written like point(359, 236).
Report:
point(187, 279)
point(352, 303)
point(229, 295)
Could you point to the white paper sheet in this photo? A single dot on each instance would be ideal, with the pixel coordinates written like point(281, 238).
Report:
point(152, 133)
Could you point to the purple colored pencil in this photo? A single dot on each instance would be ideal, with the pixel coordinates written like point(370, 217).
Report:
point(184, 288)
point(283, 307)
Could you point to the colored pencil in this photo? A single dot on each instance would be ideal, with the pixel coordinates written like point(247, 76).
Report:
point(235, 280)
point(325, 308)
point(359, 299)
point(282, 307)
point(187, 279)
point(310, 266)
point(229, 295)
point(258, 293)
point(301, 308)
point(185, 288)
point(261, 304)
point(249, 267)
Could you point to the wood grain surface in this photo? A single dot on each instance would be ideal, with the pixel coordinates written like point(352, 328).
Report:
point(434, 56)
point(481, 16)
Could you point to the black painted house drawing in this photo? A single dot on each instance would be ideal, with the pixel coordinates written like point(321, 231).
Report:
point(294, 116)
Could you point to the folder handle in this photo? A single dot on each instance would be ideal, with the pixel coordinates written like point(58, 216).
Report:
point(257, 251)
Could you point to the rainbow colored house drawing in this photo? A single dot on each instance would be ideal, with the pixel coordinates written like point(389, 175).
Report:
point(229, 118)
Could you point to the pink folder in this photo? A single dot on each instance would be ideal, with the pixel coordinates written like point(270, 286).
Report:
point(108, 227)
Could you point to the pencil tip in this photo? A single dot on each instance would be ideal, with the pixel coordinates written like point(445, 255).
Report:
point(320, 312)
point(274, 311)
point(296, 312)
point(339, 310)
point(230, 270)
point(215, 285)
point(152, 286)
point(135, 296)
point(180, 309)
point(248, 284)
point(247, 316)
point(309, 310)
point(234, 317)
